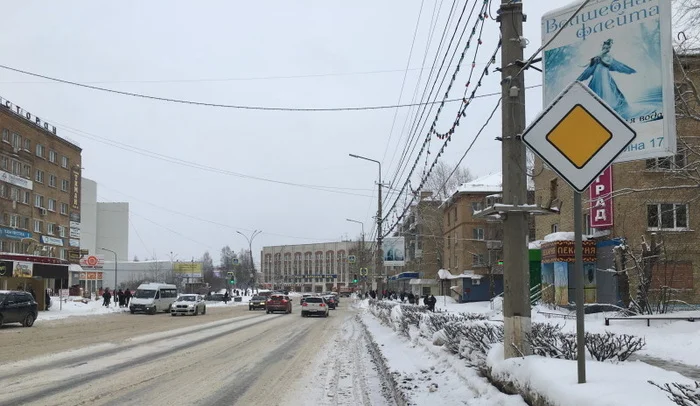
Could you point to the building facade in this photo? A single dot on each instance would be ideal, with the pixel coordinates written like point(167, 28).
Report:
point(474, 243)
point(315, 268)
point(103, 224)
point(39, 185)
point(653, 196)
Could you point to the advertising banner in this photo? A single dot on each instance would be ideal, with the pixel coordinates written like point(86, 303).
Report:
point(394, 251)
point(622, 50)
point(22, 269)
point(188, 269)
point(600, 194)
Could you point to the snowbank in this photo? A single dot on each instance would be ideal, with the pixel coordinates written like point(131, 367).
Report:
point(76, 306)
point(608, 384)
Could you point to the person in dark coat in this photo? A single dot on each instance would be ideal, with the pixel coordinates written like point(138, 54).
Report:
point(107, 297)
point(120, 297)
point(127, 297)
point(431, 303)
point(226, 298)
point(47, 299)
point(411, 297)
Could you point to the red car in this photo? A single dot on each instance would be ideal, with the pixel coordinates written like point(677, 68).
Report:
point(278, 303)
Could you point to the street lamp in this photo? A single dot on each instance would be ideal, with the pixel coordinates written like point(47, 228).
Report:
point(360, 223)
point(378, 259)
point(250, 249)
point(114, 289)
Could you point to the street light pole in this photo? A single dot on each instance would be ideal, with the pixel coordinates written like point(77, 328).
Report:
point(250, 249)
point(114, 289)
point(379, 258)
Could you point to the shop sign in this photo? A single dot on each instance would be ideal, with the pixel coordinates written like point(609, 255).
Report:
point(13, 234)
point(16, 180)
point(45, 239)
point(21, 269)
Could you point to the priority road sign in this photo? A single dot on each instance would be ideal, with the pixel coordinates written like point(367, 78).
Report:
point(578, 135)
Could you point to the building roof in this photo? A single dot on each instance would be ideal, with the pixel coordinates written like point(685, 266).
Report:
point(492, 183)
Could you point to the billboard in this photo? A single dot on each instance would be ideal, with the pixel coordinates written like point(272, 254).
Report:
point(22, 269)
point(623, 51)
point(188, 269)
point(394, 251)
point(600, 193)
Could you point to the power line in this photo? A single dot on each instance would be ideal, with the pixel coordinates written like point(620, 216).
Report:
point(209, 104)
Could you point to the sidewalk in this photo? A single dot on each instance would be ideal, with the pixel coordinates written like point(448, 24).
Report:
point(686, 370)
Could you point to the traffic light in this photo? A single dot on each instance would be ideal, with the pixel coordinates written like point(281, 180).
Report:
point(354, 279)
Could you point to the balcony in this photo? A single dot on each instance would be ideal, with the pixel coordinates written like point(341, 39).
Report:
point(494, 244)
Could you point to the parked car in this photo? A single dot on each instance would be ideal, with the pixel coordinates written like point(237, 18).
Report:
point(278, 303)
point(330, 301)
point(257, 302)
point(314, 305)
point(17, 307)
point(215, 297)
point(188, 304)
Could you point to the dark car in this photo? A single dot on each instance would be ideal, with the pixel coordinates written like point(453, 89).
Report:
point(257, 302)
point(278, 303)
point(214, 297)
point(17, 307)
point(330, 301)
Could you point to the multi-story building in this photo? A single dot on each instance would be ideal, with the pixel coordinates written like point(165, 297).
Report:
point(39, 185)
point(316, 268)
point(657, 196)
point(423, 234)
point(470, 242)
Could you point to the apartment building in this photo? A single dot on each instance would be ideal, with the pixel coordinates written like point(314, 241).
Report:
point(315, 268)
point(470, 242)
point(40, 174)
point(423, 232)
point(657, 196)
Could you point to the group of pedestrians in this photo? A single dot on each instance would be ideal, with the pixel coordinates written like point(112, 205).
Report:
point(121, 297)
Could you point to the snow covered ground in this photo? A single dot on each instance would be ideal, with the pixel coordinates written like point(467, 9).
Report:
point(608, 383)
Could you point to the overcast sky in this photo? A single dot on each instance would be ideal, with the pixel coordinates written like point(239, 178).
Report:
point(271, 53)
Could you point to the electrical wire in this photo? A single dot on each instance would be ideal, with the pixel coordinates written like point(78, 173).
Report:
point(210, 104)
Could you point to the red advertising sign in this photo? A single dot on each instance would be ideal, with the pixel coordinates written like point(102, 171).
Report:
point(600, 194)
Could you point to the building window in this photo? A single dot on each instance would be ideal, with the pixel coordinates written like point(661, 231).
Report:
point(39, 176)
point(671, 163)
point(555, 228)
point(52, 180)
point(4, 162)
point(27, 171)
point(6, 135)
point(25, 223)
point(25, 197)
point(16, 141)
point(478, 233)
point(38, 201)
point(553, 188)
point(37, 226)
point(64, 162)
point(61, 231)
point(40, 150)
point(50, 228)
point(52, 204)
point(16, 167)
point(14, 221)
point(667, 216)
point(52, 156)
point(477, 259)
point(14, 194)
point(64, 253)
point(476, 206)
point(64, 208)
point(27, 144)
point(64, 185)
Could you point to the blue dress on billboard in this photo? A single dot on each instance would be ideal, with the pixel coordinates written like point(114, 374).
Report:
point(602, 82)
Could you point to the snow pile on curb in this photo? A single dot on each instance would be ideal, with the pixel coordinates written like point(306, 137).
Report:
point(547, 378)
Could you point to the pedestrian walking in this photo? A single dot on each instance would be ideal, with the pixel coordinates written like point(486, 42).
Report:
point(127, 297)
point(106, 298)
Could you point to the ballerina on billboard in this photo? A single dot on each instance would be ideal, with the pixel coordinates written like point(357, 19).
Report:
point(602, 82)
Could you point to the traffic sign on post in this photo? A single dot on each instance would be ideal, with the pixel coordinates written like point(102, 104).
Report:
point(351, 259)
point(578, 136)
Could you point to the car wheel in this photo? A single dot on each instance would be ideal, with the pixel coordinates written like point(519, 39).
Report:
point(204, 311)
point(172, 314)
point(196, 310)
point(154, 310)
point(28, 320)
point(268, 312)
point(132, 312)
point(250, 308)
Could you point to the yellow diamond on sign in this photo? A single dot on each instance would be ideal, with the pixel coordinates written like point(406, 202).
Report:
point(579, 136)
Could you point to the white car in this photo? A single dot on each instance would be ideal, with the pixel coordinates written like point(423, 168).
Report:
point(189, 304)
point(314, 305)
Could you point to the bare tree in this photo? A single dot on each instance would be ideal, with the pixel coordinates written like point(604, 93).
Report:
point(442, 184)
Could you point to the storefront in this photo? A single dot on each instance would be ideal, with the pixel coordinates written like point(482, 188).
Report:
point(33, 274)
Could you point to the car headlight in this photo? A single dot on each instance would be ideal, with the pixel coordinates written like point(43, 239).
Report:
point(190, 306)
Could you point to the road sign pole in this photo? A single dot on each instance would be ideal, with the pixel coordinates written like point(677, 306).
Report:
point(578, 271)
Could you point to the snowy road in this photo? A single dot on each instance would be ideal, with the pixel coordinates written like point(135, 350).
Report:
point(250, 359)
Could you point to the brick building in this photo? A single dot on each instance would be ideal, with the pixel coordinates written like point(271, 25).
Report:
point(658, 196)
point(423, 232)
point(39, 185)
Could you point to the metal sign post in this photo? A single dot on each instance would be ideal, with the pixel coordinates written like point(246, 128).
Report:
point(578, 271)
